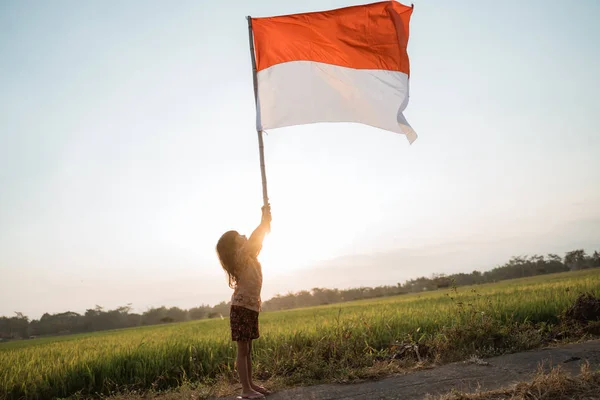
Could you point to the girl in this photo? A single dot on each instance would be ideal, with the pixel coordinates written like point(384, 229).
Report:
point(238, 257)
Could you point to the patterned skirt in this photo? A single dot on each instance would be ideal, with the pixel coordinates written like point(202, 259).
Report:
point(244, 324)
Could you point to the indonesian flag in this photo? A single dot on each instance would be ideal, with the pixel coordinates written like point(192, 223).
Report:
point(343, 65)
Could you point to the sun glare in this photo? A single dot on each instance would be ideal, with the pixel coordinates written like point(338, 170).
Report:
point(298, 241)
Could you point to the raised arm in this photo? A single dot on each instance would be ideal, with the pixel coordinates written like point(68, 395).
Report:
point(255, 241)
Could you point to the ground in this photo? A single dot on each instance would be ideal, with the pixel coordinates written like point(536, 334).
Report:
point(468, 376)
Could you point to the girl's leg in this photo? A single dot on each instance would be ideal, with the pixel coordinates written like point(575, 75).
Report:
point(259, 389)
point(249, 366)
point(242, 365)
point(243, 356)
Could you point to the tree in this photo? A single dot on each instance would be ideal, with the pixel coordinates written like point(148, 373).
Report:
point(177, 314)
point(222, 309)
point(154, 315)
point(199, 312)
point(596, 259)
point(20, 315)
point(554, 258)
point(576, 259)
point(441, 281)
point(18, 326)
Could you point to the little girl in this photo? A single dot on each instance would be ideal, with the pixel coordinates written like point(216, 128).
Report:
point(238, 257)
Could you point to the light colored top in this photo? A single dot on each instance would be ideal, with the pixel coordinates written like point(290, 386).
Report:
point(249, 283)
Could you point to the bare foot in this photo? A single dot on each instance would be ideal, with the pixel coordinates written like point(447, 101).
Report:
point(252, 394)
point(261, 389)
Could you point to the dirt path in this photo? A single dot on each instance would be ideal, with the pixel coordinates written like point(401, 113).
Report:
point(494, 373)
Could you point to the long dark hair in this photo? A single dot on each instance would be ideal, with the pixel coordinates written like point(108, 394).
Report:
point(226, 249)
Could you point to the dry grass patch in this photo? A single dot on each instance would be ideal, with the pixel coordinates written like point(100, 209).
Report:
point(553, 385)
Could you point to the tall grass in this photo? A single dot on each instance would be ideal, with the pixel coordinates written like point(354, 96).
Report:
point(299, 346)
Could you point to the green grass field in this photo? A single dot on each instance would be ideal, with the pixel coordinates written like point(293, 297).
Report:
point(336, 342)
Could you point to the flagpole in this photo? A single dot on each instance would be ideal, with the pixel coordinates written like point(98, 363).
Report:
point(261, 149)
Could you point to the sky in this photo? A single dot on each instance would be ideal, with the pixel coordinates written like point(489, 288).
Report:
point(128, 146)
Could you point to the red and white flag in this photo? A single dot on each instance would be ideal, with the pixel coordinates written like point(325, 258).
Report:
point(343, 65)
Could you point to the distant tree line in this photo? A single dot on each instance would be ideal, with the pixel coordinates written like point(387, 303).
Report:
point(98, 319)
point(516, 267)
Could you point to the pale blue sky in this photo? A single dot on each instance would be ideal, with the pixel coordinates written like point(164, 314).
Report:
point(127, 146)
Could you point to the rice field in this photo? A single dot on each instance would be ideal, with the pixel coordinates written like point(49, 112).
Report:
point(300, 346)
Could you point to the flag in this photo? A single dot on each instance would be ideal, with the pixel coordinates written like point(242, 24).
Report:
point(344, 65)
